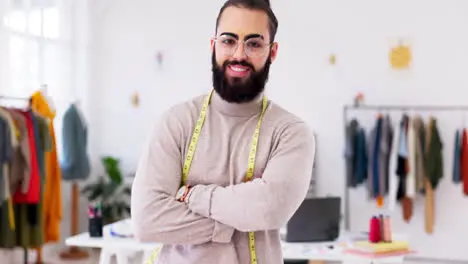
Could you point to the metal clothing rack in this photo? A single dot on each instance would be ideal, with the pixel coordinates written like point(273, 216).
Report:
point(402, 108)
point(15, 98)
point(25, 249)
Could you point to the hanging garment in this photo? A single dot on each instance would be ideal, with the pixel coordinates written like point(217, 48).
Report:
point(5, 157)
point(45, 139)
point(360, 166)
point(13, 133)
point(429, 203)
point(384, 155)
point(351, 130)
point(456, 170)
point(8, 144)
point(393, 170)
point(411, 169)
point(355, 154)
point(402, 157)
point(8, 235)
point(75, 164)
point(434, 171)
point(403, 170)
point(33, 185)
point(464, 161)
point(434, 155)
point(419, 142)
point(20, 167)
point(373, 164)
point(52, 206)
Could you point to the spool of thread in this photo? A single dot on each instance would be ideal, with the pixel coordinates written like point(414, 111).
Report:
point(387, 230)
point(374, 230)
point(381, 219)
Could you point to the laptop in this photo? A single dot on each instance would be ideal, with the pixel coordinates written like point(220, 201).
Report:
point(316, 220)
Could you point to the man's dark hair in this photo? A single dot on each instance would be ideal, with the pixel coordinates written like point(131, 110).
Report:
point(262, 5)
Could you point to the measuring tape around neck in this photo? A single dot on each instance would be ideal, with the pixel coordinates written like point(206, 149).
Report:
point(250, 169)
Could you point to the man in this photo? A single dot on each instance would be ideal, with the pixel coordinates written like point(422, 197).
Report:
point(196, 190)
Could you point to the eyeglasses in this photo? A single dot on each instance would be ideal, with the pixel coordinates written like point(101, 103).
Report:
point(253, 47)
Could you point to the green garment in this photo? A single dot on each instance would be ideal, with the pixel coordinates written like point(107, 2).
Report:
point(434, 155)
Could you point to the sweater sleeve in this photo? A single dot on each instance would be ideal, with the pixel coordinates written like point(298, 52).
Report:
point(156, 215)
point(268, 202)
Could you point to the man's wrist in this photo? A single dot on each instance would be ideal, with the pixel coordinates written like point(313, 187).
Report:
point(183, 194)
point(189, 193)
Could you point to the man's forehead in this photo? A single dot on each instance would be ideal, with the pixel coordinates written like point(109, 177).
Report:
point(243, 23)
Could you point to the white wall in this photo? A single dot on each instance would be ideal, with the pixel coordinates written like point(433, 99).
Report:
point(128, 34)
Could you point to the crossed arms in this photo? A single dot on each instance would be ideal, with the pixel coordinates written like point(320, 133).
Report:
point(214, 212)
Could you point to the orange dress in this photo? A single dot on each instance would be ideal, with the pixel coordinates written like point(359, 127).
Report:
point(52, 208)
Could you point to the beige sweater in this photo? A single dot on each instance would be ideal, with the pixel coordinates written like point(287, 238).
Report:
point(213, 228)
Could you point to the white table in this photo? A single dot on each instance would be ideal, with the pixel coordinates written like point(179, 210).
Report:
point(126, 248)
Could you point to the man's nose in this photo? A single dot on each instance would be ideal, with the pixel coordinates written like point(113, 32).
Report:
point(239, 53)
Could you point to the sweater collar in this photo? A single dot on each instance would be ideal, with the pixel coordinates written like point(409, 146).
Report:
point(236, 109)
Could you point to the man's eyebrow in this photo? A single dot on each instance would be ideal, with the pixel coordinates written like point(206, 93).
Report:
point(230, 34)
point(253, 36)
point(245, 38)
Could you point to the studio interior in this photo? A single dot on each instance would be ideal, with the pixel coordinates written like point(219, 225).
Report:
point(97, 106)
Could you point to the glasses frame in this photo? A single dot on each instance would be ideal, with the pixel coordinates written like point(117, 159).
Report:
point(267, 47)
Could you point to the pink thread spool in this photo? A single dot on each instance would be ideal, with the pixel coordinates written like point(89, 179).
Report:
point(387, 230)
point(374, 230)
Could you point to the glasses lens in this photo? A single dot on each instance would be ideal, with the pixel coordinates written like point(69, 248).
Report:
point(226, 44)
point(255, 47)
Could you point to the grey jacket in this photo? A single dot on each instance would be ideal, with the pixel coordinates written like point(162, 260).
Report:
point(75, 164)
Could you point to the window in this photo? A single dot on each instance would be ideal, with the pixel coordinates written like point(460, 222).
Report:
point(38, 49)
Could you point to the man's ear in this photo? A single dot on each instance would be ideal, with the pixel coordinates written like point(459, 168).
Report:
point(212, 42)
point(274, 51)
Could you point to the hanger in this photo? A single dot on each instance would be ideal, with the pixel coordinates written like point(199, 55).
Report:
point(44, 91)
point(379, 113)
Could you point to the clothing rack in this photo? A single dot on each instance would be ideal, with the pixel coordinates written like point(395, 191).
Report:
point(15, 98)
point(28, 99)
point(402, 108)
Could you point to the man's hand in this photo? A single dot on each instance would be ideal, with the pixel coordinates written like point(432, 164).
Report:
point(255, 176)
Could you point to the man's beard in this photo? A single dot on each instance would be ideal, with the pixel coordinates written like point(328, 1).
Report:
point(239, 90)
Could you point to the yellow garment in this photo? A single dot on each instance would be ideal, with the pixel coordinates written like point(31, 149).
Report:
point(52, 210)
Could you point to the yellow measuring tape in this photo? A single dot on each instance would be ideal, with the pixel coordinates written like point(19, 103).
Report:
point(191, 153)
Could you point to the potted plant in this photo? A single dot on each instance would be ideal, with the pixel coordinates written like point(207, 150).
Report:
point(110, 192)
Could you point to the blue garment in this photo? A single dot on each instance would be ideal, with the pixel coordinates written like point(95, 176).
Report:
point(456, 158)
point(75, 163)
point(360, 166)
point(375, 160)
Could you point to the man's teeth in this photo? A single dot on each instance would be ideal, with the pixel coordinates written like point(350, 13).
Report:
point(237, 69)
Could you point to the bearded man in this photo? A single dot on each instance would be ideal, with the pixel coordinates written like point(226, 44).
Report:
point(224, 171)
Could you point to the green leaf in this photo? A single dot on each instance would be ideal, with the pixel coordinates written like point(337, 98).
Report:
point(111, 165)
